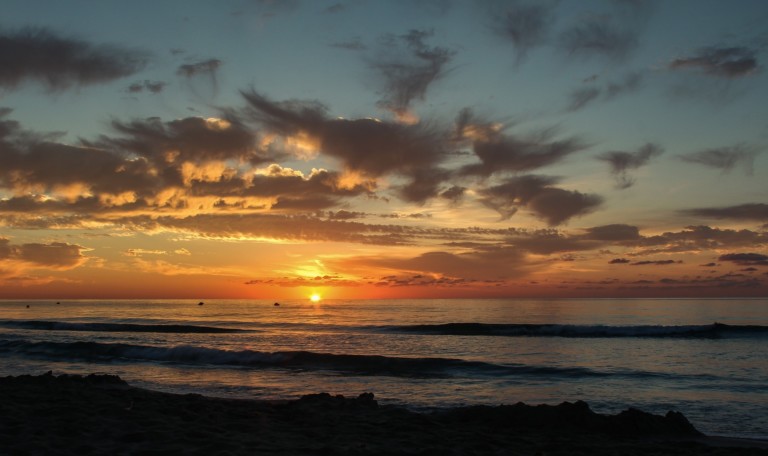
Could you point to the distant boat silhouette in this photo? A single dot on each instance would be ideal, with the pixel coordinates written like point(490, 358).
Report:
point(277, 304)
point(200, 303)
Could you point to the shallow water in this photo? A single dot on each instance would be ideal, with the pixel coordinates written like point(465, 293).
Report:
point(652, 354)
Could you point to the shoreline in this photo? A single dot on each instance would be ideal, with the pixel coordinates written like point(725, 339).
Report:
point(101, 414)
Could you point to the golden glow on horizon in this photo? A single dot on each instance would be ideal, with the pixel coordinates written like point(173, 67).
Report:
point(315, 297)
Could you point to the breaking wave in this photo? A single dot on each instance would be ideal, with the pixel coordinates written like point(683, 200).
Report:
point(299, 360)
point(713, 331)
point(114, 327)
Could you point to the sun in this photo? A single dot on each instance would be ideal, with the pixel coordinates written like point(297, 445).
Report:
point(315, 297)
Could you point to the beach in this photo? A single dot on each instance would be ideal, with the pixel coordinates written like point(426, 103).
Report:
point(102, 414)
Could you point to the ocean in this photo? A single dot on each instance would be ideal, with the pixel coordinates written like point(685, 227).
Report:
point(707, 358)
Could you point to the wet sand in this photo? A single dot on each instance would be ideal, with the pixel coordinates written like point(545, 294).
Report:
point(101, 414)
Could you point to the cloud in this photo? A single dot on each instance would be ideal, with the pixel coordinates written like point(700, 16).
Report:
point(750, 211)
point(150, 165)
point(724, 62)
point(407, 73)
point(38, 54)
point(549, 241)
point(370, 147)
point(149, 86)
point(275, 226)
point(619, 261)
point(203, 67)
point(499, 152)
point(745, 259)
point(526, 25)
point(655, 262)
point(614, 232)
point(191, 139)
point(454, 193)
point(582, 97)
point(55, 255)
point(343, 215)
point(536, 193)
point(301, 281)
point(598, 36)
point(140, 252)
point(492, 263)
point(354, 44)
point(33, 163)
point(621, 162)
point(696, 239)
point(724, 158)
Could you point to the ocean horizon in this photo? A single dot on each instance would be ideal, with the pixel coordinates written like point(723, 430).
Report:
point(702, 357)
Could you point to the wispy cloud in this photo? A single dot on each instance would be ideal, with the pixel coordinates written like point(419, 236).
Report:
point(622, 162)
point(149, 86)
point(724, 62)
point(525, 25)
point(408, 72)
point(724, 158)
point(584, 96)
point(750, 211)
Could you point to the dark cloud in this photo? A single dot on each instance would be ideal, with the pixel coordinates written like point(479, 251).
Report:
point(580, 98)
point(149, 86)
point(39, 54)
point(621, 162)
point(536, 193)
point(724, 158)
point(493, 263)
point(193, 139)
point(598, 36)
point(345, 215)
point(336, 8)
point(56, 255)
point(745, 259)
point(611, 32)
point(696, 239)
point(454, 193)
point(155, 165)
point(33, 162)
point(424, 185)
point(751, 211)
point(725, 62)
point(368, 146)
point(619, 261)
point(499, 152)
point(407, 73)
point(655, 262)
point(549, 241)
point(268, 9)
point(615, 232)
point(203, 67)
point(354, 44)
point(526, 25)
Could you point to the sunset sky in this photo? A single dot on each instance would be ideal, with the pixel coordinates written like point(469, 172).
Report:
point(373, 149)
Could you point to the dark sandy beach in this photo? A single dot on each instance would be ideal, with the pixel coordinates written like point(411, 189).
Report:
point(101, 414)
